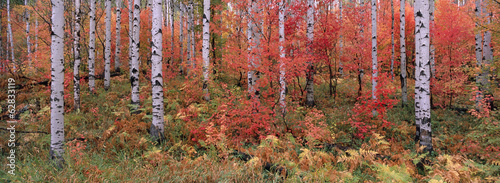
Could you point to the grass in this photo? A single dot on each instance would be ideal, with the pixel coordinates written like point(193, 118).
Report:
point(115, 146)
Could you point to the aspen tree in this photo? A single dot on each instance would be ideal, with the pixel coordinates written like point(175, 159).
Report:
point(118, 36)
point(107, 49)
point(310, 65)
point(91, 61)
point(76, 51)
point(57, 84)
point(157, 127)
point(206, 48)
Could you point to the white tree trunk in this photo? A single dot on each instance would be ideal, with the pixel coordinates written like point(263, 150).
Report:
point(189, 29)
point(134, 77)
point(341, 40)
point(193, 43)
point(91, 61)
point(11, 40)
point(310, 66)
point(36, 37)
point(172, 31)
point(2, 65)
point(118, 36)
point(423, 75)
point(487, 52)
point(107, 49)
point(28, 43)
point(130, 34)
point(157, 128)
point(182, 8)
point(479, 54)
point(402, 41)
point(253, 35)
point(76, 51)
point(206, 47)
point(166, 12)
point(432, 50)
point(392, 39)
point(282, 57)
point(57, 84)
point(374, 50)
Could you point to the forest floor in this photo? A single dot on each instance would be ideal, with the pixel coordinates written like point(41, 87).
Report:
point(106, 143)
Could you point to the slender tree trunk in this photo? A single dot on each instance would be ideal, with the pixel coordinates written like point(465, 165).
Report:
point(310, 65)
point(166, 12)
point(341, 40)
point(487, 52)
point(282, 57)
point(392, 39)
point(402, 41)
point(28, 43)
point(130, 34)
point(2, 59)
point(76, 47)
point(479, 57)
point(206, 47)
point(418, 20)
point(432, 50)
point(374, 50)
point(423, 75)
point(134, 77)
point(189, 29)
point(36, 37)
point(118, 36)
point(172, 31)
point(11, 40)
point(253, 35)
point(107, 49)
point(57, 84)
point(157, 128)
point(193, 43)
point(91, 61)
point(182, 8)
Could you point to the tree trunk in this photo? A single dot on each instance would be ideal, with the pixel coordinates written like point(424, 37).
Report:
point(2, 64)
point(487, 53)
point(28, 43)
point(172, 31)
point(479, 55)
point(118, 36)
point(107, 49)
point(254, 51)
point(402, 41)
point(432, 50)
point(282, 57)
point(182, 8)
point(36, 37)
point(91, 61)
point(166, 12)
point(57, 84)
point(423, 75)
point(206, 47)
point(76, 47)
point(157, 128)
point(130, 34)
point(341, 67)
point(374, 50)
point(392, 39)
point(310, 65)
point(134, 77)
point(11, 40)
point(189, 29)
point(193, 43)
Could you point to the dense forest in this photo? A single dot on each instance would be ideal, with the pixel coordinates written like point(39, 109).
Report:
point(249, 91)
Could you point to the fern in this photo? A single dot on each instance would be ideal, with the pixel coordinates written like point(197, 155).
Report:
point(393, 173)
